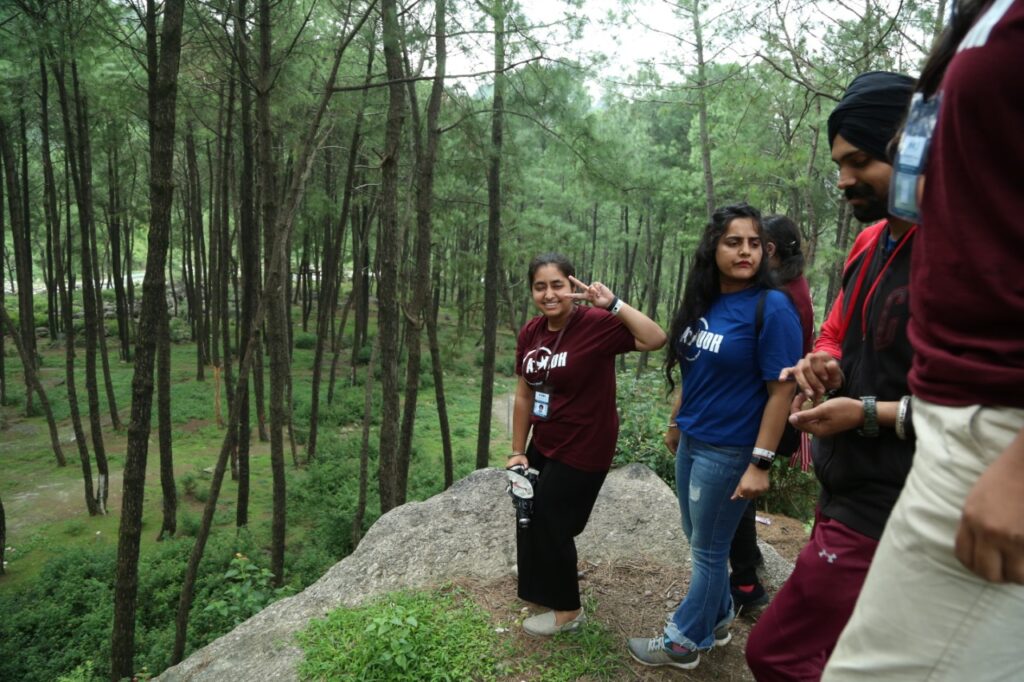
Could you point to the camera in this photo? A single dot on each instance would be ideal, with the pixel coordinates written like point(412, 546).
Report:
point(521, 482)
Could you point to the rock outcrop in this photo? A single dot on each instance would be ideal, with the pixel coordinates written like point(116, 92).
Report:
point(466, 531)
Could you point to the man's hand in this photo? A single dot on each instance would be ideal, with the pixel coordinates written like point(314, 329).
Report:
point(831, 417)
point(990, 540)
point(753, 484)
point(815, 374)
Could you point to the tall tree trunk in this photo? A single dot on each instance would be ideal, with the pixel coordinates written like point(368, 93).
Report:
point(50, 204)
point(491, 273)
point(162, 92)
point(195, 256)
point(77, 140)
point(390, 238)
point(22, 259)
point(835, 276)
point(276, 298)
point(248, 247)
point(419, 307)
point(702, 109)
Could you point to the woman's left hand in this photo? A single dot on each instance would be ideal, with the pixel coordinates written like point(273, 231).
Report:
point(596, 293)
point(753, 484)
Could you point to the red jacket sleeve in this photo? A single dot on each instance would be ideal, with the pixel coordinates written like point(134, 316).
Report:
point(830, 340)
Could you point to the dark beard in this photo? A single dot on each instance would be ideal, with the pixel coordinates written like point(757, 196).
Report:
point(874, 207)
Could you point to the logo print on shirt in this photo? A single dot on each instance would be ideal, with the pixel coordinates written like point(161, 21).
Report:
point(537, 363)
point(701, 339)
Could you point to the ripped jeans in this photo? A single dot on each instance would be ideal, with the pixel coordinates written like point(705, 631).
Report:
point(706, 477)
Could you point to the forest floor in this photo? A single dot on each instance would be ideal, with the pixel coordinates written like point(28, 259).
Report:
point(631, 599)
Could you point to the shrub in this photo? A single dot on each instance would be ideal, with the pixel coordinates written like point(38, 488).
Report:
point(305, 340)
point(245, 590)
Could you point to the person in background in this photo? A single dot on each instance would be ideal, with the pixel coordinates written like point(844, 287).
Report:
point(565, 404)
point(727, 419)
point(863, 442)
point(944, 599)
point(786, 261)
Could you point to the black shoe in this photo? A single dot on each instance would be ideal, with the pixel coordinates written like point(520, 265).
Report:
point(753, 599)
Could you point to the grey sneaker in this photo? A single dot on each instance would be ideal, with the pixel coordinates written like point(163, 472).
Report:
point(723, 635)
point(543, 625)
point(654, 652)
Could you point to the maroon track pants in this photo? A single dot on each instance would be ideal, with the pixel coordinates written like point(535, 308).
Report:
point(795, 635)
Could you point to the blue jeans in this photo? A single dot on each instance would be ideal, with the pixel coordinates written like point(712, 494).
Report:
point(706, 477)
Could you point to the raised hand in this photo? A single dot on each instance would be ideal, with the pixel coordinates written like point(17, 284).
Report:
point(596, 293)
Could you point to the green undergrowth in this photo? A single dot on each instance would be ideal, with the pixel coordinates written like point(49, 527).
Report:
point(444, 635)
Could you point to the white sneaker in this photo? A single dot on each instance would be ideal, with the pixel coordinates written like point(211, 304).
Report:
point(543, 625)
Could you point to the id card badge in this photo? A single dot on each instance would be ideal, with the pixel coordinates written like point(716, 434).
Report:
point(909, 164)
point(542, 403)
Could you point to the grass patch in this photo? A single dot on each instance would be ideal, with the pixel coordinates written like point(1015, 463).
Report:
point(411, 636)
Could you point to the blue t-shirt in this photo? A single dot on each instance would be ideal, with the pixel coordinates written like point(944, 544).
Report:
point(725, 367)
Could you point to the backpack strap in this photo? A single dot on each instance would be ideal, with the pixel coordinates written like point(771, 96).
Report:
point(759, 314)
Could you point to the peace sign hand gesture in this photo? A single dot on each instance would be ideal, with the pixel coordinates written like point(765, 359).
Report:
point(596, 294)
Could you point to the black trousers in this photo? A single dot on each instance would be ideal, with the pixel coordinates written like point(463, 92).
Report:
point(744, 555)
point(546, 550)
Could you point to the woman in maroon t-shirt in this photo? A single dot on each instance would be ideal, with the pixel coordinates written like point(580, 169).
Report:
point(565, 359)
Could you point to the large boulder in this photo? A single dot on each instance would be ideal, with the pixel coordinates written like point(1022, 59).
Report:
point(465, 532)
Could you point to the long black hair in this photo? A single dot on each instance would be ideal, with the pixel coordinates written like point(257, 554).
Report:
point(703, 284)
point(785, 235)
point(965, 13)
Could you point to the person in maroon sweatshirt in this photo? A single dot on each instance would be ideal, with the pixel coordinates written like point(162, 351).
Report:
point(944, 598)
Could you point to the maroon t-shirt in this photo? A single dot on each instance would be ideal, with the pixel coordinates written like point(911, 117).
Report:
point(967, 311)
point(582, 424)
point(800, 294)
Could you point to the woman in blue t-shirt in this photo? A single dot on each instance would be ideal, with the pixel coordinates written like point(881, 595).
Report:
point(727, 420)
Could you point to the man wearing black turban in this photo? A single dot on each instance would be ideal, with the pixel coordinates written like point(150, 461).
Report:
point(863, 441)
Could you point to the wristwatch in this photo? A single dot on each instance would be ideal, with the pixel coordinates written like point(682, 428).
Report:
point(870, 428)
point(762, 458)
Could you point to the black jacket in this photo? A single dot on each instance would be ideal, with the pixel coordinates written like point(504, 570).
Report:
point(862, 477)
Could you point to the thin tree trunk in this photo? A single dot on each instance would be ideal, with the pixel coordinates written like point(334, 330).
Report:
point(114, 229)
point(442, 403)
point(491, 273)
point(32, 379)
point(169, 506)
point(22, 258)
point(108, 382)
point(419, 308)
point(364, 449)
point(247, 249)
point(702, 110)
point(195, 257)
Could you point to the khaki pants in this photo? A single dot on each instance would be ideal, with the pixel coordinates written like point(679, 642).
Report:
point(921, 614)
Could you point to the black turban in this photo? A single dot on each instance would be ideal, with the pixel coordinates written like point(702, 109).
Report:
point(871, 111)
